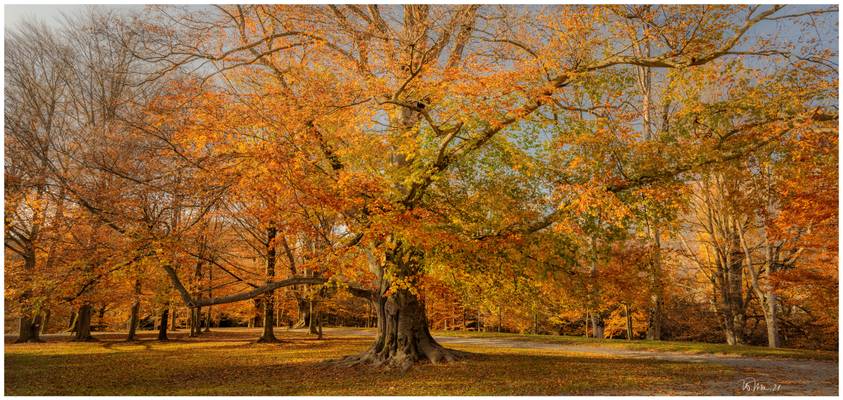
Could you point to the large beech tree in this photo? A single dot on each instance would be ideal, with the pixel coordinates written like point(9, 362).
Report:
point(378, 146)
point(371, 106)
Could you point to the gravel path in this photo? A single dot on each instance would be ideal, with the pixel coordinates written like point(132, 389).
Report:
point(758, 375)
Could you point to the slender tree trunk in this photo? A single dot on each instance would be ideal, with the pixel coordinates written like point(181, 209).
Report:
point(312, 325)
point(210, 295)
point(74, 318)
point(596, 325)
point(208, 320)
point(500, 318)
point(83, 323)
point(587, 320)
point(162, 327)
point(772, 321)
point(268, 335)
point(46, 321)
point(654, 317)
point(173, 319)
point(628, 322)
point(133, 318)
point(303, 313)
point(133, 321)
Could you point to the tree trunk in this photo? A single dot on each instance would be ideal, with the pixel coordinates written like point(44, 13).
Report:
point(596, 325)
point(500, 318)
point(83, 323)
point(173, 320)
point(29, 330)
point(133, 320)
point(587, 319)
point(46, 321)
point(303, 314)
point(772, 319)
point(312, 325)
point(268, 335)
point(654, 318)
point(403, 337)
point(654, 313)
point(208, 320)
point(74, 317)
point(628, 322)
point(162, 327)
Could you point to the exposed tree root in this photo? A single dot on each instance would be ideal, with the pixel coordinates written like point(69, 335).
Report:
point(264, 339)
point(401, 360)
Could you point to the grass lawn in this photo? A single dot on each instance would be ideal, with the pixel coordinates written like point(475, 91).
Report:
point(230, 363)
point(653, 345)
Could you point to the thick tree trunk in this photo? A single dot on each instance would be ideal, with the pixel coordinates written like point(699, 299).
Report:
point(268, 335)
point(628, 322)
point(29, 330)
point(162, 327)
point(403, 337)
point(83, 323)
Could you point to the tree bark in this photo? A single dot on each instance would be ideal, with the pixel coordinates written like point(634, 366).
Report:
point(74, 316)
point(268, 335)
point(303, 313)
point(772, 320)
point(403, 337)
point(207, 320)
point(210, 295)
point(46, 321)
point(162, 327)
point(654, 314)
point(133, 321)
point(597, 325)
point(134, 317)
point(29, 330)
point(628, 322)
point(83, 323)
point(173, 320)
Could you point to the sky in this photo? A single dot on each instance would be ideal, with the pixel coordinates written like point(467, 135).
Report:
point(827, 31)
point(49, 13)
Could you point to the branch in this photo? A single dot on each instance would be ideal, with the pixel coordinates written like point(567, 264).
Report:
point(270, 286)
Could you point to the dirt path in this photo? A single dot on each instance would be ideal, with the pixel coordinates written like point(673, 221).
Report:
point(758, 375)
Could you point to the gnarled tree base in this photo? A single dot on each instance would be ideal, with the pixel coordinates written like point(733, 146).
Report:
point(403, 336)
point(403, 358)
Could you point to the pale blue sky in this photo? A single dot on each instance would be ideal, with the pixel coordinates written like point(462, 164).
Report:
point(827, 29)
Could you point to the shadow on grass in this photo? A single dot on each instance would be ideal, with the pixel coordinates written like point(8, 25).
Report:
point(296, 368)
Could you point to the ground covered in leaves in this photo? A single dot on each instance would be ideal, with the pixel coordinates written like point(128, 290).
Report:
point(229, 362)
